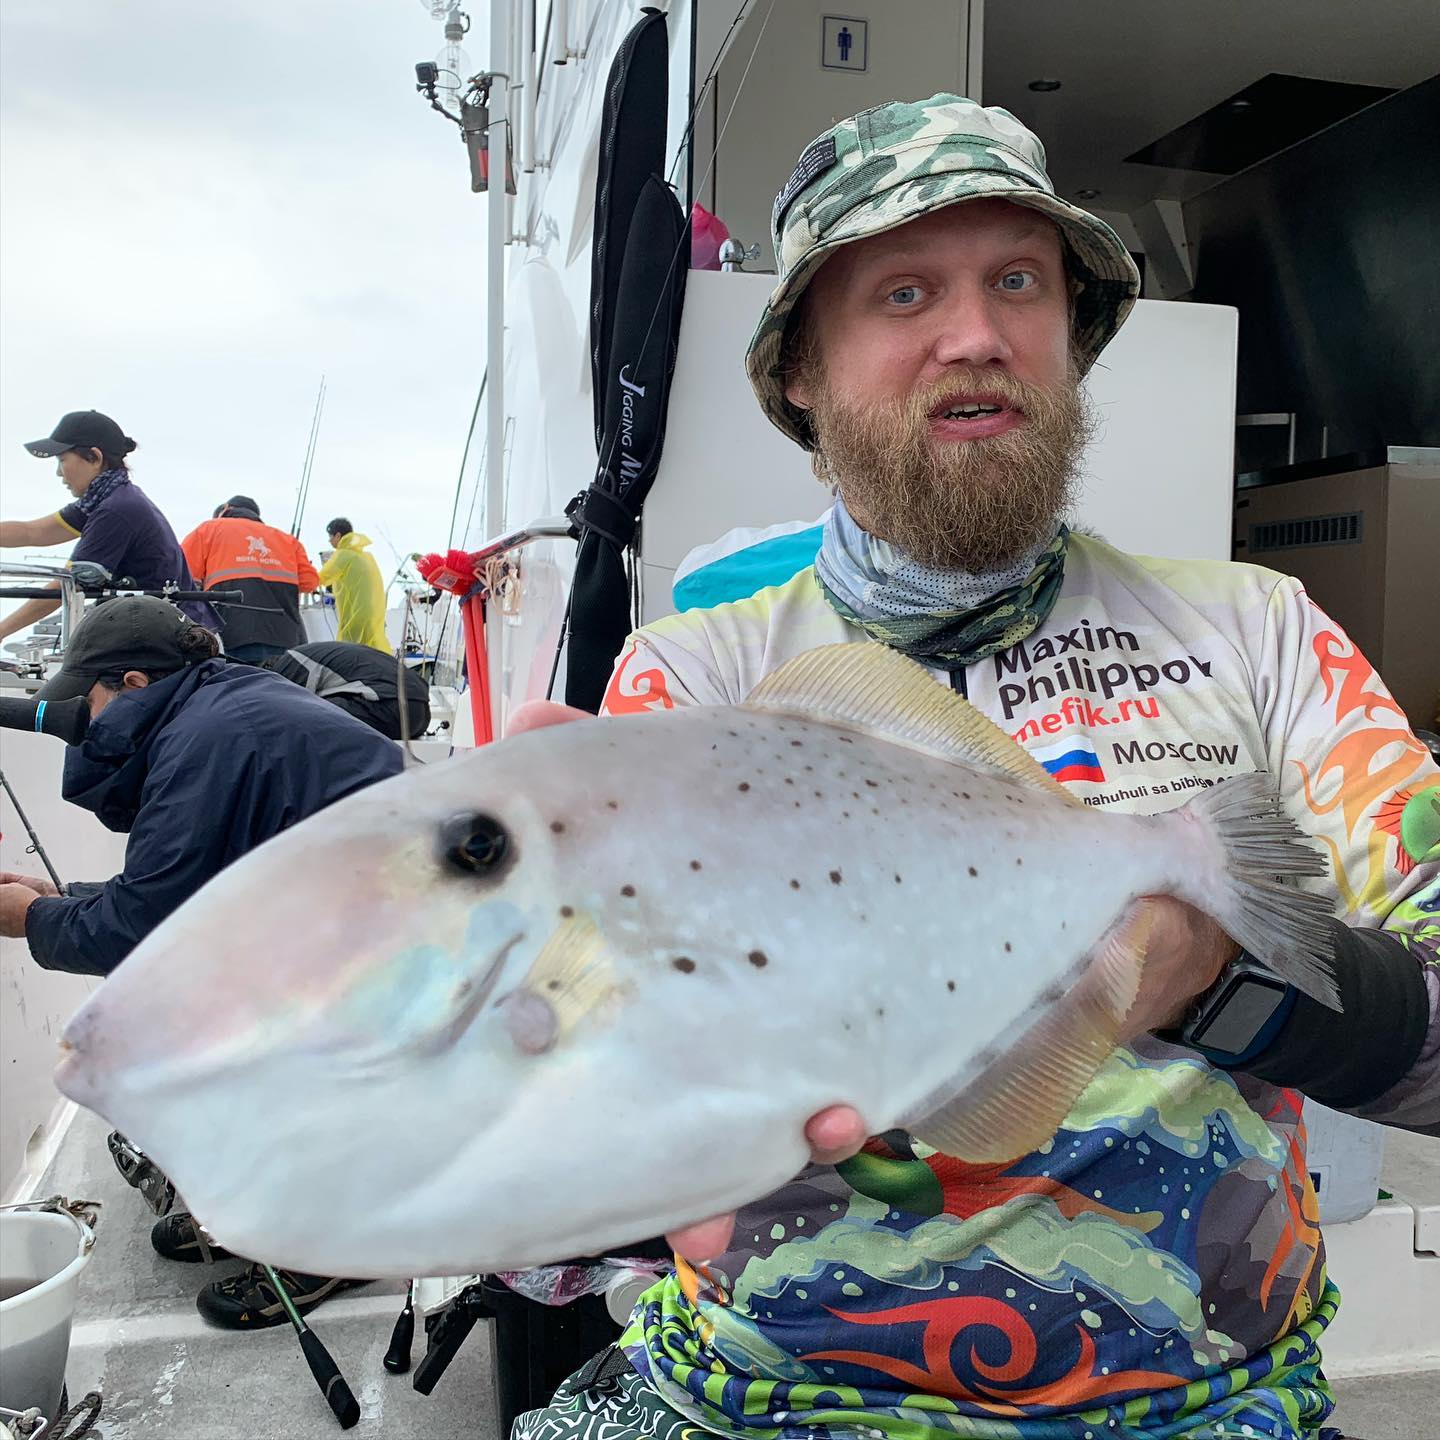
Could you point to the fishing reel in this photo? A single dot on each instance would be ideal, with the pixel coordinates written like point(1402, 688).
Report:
point(137, 1169)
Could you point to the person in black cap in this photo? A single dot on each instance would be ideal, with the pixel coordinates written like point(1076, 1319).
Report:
point(198, 760)
point(116, 523)
point(236, 550)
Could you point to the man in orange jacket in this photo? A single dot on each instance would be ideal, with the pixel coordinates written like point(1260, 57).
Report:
point(235, 551)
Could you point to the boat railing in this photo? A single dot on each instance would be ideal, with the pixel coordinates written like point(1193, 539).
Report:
point(551, 527)
point(46, 578)
point(75, 584)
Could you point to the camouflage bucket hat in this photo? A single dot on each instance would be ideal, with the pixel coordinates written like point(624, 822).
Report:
point(887, 166)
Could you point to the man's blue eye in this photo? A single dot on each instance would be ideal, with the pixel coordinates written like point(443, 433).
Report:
point(905, 295)
point(1017, 280)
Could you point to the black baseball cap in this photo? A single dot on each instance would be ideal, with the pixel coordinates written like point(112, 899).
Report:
point(136, 632)
point(83, 430)
point(236, 504)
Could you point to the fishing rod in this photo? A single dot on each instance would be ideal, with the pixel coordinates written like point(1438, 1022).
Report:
point(302, 494)
point(397, 1357)
point(338, 1395)
point(35, 846)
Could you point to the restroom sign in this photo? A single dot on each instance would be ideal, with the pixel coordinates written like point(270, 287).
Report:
point(843, 42)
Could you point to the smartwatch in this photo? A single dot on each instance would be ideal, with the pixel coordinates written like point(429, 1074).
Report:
point(1239, 1015)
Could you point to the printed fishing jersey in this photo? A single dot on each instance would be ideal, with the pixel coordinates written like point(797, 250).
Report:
point(268, 566)
point(1157, 1268)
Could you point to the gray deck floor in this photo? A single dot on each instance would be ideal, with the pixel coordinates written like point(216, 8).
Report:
point(165, 1373)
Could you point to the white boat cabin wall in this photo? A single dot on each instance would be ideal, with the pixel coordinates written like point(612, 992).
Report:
point(1166, 386)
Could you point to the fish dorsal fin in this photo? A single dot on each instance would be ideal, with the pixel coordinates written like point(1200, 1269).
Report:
point(873, 688)
point(1020, 1101)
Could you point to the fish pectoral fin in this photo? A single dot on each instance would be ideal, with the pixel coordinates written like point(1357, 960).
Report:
point(874, 688)
point(573, 971)
point(1022, 1100)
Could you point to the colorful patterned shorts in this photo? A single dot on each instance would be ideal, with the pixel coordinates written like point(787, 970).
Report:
point(607, 1400)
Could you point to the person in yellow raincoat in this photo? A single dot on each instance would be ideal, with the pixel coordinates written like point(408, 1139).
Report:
point(354, 577)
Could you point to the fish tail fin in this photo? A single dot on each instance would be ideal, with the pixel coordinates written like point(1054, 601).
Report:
point(1263, 852)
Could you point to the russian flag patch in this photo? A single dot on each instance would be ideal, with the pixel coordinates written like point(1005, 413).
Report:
point(1071, 759)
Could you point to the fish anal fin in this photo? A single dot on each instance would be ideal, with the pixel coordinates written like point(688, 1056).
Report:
point(870, 687)
point(1022, 1100)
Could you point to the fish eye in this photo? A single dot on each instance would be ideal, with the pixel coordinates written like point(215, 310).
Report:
point(475, 844)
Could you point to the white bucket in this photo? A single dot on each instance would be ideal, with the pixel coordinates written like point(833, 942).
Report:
point(1343, 1154)
point(41, 1256)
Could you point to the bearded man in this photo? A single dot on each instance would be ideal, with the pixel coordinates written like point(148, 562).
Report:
point(1156, 1269)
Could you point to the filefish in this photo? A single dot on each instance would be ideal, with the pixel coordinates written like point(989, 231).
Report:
point(587, 985)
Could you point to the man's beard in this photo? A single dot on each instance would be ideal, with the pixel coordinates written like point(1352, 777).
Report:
point(974, 505)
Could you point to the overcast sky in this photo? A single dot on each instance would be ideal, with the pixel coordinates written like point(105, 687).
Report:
point(204, 207)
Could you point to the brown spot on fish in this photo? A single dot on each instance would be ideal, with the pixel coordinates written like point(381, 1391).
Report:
point(613, 804)
point(1007, 947)
point(531, 1022)
point(683, 963)
point(743, 786)
point(844, 814)
point(557, 827)
point(552, 984)
point(898, 881)
point(628, 891)
point(788, 780)
point(950, 985)
point(964, 794)
point(1052, 994)
point(845, 740)
point(819, 795)
point(1018, 860)
point(835, 877)
point(694, 864)
point(567, 911)
point(758, 959)
point(873, 784)
point(794, 884)
point(973, 870)
point(797, 743)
